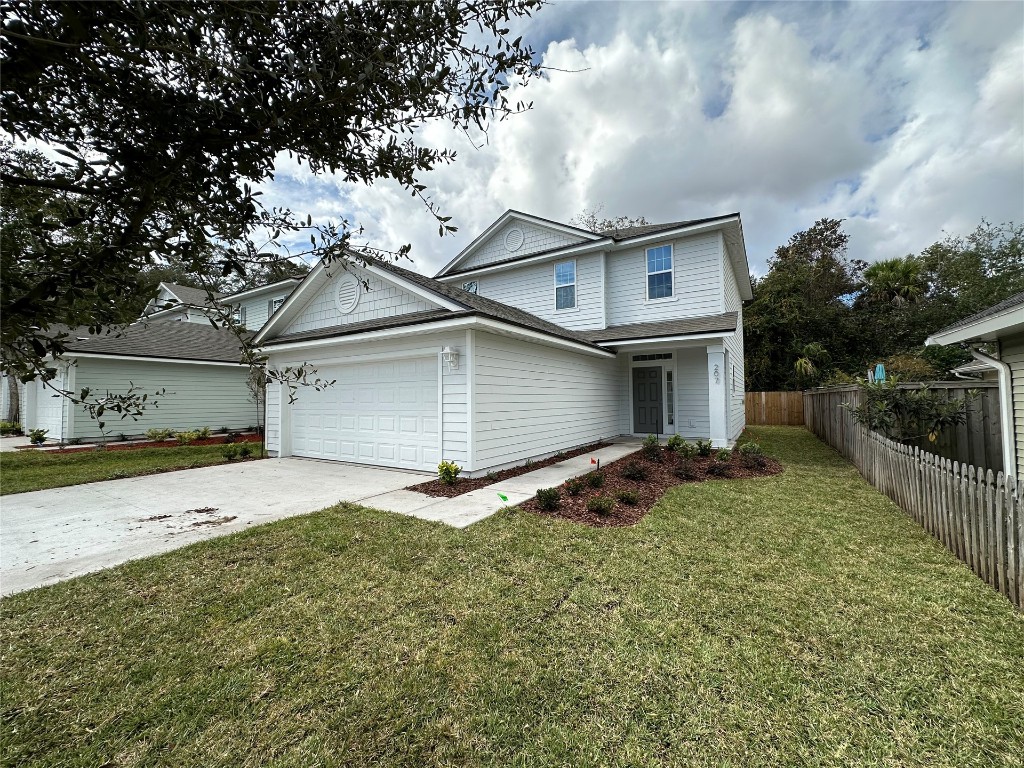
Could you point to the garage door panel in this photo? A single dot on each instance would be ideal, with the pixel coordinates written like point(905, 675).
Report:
point(383, 413)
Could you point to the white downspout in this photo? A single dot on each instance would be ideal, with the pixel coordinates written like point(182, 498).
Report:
point(1005, 410)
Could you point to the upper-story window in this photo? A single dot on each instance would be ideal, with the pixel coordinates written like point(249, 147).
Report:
point(565, 285)
point(659, 272)
point(275, 304)
point(472, 286)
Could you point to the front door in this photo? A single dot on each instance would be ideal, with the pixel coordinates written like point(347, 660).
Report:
point(647, 400)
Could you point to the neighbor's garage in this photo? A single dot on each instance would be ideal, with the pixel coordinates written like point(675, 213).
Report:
point(382, 413)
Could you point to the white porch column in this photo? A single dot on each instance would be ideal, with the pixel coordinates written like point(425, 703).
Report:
point(717, 401)
point(284, 440)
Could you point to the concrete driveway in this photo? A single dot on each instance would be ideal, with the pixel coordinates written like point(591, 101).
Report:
point(52, 535)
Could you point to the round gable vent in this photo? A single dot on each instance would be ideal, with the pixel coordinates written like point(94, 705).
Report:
point(348, 292)
point(514, 240)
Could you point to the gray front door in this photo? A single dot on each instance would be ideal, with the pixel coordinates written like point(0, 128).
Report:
point(647, 400)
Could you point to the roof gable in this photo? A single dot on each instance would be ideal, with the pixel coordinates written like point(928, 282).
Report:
point(517, 234)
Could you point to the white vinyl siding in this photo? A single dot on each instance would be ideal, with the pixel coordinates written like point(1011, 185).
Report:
point(383, 299)
point(196, 395)
point(736, 394)
point(272, 431)
point(696, 289)
point(691, 385)
point(256, 310)
point(535, 240)
point(530, 288)
point(1011, 350)
point(531, 400)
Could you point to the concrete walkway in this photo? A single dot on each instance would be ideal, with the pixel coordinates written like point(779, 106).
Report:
point(12, 443)
point(57, 534)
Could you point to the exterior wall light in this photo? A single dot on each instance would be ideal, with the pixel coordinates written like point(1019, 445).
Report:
point(450, 357)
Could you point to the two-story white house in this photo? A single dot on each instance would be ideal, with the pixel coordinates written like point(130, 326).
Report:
point(538, 337)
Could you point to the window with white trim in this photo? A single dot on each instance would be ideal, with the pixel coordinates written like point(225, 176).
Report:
point(471, 287)
point(565, 285)
point(275, 304)
point(659, 272)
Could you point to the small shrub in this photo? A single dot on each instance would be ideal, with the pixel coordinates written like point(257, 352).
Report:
point(244, 451)
point(231, 437)
point(752, 456)
point(686, 450)
point(595, 479)
point(204, 433)
point(685, 470)
point(548, 499)
point(10, 428)
point(491, 476)
point(601, 505)
point(633, 471)
point(186, 437)
point(448, 472)
point(159, 434)
point(37, 436)
point(704, 448)
point(723, 454)
point(230, 452)
point(74, 441)
point(651, 449)
point(574, 486)
point(223, 431)
point(719, 469)
point(122, 437)
point(675, 442)
point(632, 498)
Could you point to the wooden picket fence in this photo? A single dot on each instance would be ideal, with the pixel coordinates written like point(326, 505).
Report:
point(977, 515)
point(775, 408)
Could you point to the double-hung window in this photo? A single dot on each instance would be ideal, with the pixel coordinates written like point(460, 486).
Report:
point(565, 285)
point(275, 305)
point(659, 272)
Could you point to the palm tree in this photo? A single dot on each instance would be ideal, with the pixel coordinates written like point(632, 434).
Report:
point(896, 281)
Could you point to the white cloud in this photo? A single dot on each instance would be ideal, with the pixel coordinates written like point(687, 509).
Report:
point(904, 119)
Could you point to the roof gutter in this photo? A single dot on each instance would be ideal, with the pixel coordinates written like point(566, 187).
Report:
point(1005, 410)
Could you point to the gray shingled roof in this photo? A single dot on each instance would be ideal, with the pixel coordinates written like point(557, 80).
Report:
point(725, 322)
point(618, 235)
point(995, 309)
point(378, 324)
point(192, 296)
point(171, 340)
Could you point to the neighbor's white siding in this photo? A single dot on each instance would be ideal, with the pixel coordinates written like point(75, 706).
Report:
point(532, 288)
point(530, 400)
point(692, 401)
point(535, 240)
point(257, 309)
point(454, 438)
point(1011, 351)
point(736, 397)
point(383, 299)
point(272, 432)
point(196, 395)
point(697, 282)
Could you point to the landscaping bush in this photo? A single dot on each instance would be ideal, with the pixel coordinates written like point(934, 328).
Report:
point(719, 469)
point(595, 479)
point(704, 448)
point(37, 436)
point(574, 486)
point(633, 471)
point(675, 442)
point(203, 433)
point(122, 437)
point(223, 431)
point(10, 428)
point(548, 499)
point(686, 450)
point(651, 449)
point(230, 452)
point(723, 454)
point(74, 441)
point(231, 437)
point(632, 498)
point(159, 434)
point(448, 472)
point(685, 470)
point(189, 436)
point(244, 451)
point(601, 505)
point(752, 456)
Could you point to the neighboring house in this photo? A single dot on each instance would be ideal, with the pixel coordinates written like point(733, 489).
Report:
point(1003, 325)
point(197, 366)
point(250, 307)
point(538, 337)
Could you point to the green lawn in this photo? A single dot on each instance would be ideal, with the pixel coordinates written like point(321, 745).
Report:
point(800, 619)
point(35, 470)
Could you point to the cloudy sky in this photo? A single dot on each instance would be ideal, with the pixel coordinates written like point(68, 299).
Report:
point(905, 119)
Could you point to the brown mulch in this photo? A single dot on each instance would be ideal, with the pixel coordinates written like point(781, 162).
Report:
point(660, 477)
point(466, 484)
point(172, 443)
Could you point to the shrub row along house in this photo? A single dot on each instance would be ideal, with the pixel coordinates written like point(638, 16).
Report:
point(538, 337)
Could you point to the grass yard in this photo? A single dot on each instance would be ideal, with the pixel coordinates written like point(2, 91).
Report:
point(29, 470)
point(800, 619)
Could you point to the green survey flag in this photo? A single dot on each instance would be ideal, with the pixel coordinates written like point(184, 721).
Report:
point(502, 496)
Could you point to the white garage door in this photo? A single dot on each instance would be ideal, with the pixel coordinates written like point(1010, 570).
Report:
point(375, 413)
point(50, 407)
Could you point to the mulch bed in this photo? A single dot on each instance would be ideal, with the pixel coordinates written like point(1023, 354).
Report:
point(660, 477)
point(213, 440)
point(466, 484)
